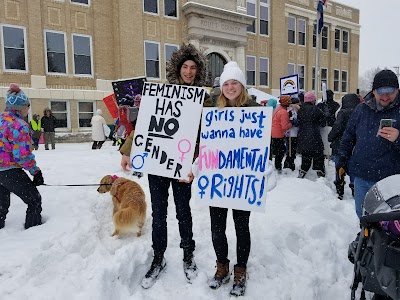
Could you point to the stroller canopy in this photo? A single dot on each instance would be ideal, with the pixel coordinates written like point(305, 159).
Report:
point(383, 197)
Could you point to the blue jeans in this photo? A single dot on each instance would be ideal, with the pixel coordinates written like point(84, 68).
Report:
point(361, 187)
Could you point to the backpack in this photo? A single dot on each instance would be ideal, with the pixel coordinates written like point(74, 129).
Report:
point(127, 116)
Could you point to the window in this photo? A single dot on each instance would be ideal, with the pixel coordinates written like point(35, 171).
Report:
point(264, 70)
point(14, 52)
point(302, 32)
point(85, 113)
point(325, 38)
point(264, 17)
point(291, 69)
point(324, 77)
point(168, 50)
point(291, 30)
point(59, 109)
point(344, 81)
point(251, 70)
point(313, 78)
point(82, 48)
point(150, 6)
point(55, 52)
point(337, 40)
point(170, 9)
point(336, 80)
point(301, 70)
point(345, 45)
point(152, 56)
point(80, 1)
point(251, 11)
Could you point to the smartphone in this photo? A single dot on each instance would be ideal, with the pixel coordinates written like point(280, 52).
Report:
point(386, 123)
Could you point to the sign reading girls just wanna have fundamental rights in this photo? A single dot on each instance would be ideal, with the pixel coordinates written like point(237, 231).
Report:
point(166, 129)
point(233, 158)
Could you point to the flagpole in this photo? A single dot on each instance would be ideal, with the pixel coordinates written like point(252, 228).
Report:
point(317, 48)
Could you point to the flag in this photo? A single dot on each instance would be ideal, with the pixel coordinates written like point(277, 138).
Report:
point(320, 9)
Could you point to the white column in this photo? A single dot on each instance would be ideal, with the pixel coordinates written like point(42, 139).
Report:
point(240, 57)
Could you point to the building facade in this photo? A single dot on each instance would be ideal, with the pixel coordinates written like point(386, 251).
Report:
point(65, 53)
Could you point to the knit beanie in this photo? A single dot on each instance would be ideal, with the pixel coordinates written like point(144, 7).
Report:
point(309, 97)
point(284, 101)
point(16, 98)
point(232, 71)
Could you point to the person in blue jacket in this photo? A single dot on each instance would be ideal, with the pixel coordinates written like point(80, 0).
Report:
point(372, 152)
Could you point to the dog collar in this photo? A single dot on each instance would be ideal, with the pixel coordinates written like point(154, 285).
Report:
point(114, 177)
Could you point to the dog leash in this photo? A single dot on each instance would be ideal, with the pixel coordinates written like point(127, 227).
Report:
point(90, 184)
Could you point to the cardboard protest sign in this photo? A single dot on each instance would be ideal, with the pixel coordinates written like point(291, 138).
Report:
point(111, 104)
point(166, 129)
point(128, 89)
point(234, 152)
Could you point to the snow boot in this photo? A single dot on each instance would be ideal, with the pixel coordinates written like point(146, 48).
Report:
point(221, 276)
point(351, 185)
point(302, 174)
point(339, 188)
point(157, 266)
point(33, 215)
point(239, 281)
point(189, 266)
point(2, 224)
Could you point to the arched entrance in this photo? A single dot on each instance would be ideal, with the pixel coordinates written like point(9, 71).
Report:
point(216, 64)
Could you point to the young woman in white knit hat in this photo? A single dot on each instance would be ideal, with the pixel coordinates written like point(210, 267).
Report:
point(233, 94)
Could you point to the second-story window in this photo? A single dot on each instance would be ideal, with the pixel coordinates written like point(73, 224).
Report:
point(291, 69)
point(345, 42)
point(323, 37)
point(302, 32)
point(152, 54)
point(251, 11)
point(170, 8)
point(291, 30)
point(337, 40)
point(14, 52)
point(264, 17)
point(82, 45)
point(55, 52)
point(150, 6)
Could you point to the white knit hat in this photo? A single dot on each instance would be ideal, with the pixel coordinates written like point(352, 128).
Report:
point(232, 71)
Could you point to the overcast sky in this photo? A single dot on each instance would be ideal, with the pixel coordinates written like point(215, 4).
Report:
point(379, 41)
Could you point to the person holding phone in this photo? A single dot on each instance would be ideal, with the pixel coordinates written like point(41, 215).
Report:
point(370, 146)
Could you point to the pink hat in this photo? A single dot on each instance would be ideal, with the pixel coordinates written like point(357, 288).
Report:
point(309, 97)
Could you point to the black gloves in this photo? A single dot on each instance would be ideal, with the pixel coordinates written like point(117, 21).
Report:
point(38, 179)
point(341, 167)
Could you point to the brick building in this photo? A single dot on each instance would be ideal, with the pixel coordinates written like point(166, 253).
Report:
point(65, 53)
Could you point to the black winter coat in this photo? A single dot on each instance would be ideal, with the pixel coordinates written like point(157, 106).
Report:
point(329, 108)
point(48, 123)
point(349, 102)
point(310, 119)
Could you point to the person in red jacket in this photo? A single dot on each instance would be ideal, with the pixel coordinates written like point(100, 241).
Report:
point(280, 124)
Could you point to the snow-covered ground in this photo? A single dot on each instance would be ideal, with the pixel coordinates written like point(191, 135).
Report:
point(299, 246)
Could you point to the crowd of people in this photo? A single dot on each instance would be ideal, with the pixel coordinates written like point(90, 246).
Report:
point(361, 147)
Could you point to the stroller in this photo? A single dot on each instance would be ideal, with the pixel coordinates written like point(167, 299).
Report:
point(376, 250)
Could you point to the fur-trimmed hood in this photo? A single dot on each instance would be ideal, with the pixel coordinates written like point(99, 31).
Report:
point(186, 52)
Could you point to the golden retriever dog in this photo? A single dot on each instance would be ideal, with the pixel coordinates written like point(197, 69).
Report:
point(129, 200)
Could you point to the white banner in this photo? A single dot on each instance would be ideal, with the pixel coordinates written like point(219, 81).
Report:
point(234, 152)
point(166, 129)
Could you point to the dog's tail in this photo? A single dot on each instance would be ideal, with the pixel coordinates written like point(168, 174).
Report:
point(124, 218)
